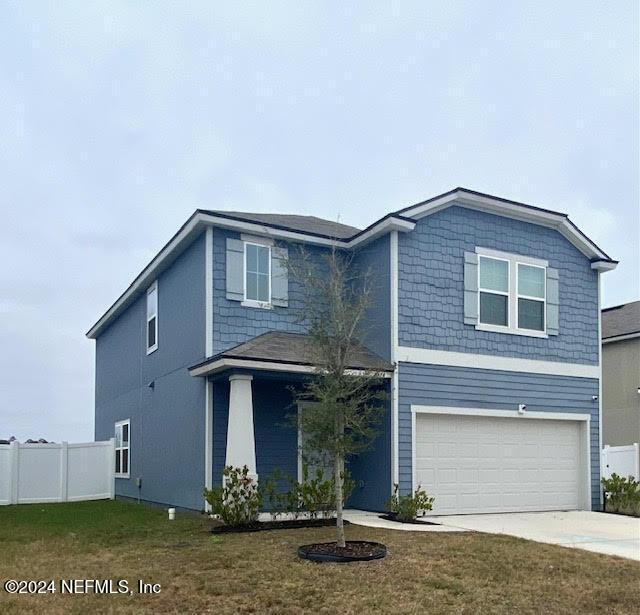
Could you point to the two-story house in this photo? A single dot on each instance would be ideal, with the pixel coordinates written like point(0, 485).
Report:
point(485, 322)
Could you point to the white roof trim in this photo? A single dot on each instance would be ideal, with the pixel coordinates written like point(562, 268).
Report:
point(400, 221)
point(490, 204)
point(273, 366)
point(620, 338)
point(200, 220)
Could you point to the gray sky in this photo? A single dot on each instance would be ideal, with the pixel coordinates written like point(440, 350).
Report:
point(118, 119)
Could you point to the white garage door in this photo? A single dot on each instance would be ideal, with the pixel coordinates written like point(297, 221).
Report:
point(483, 464)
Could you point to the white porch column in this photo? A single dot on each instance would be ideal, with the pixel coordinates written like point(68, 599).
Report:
point(241, 442)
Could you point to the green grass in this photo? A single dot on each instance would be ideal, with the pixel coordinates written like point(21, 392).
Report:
point(260, 573)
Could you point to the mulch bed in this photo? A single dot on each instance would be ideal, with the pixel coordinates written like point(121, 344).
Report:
point(353, 551)
point(288, 524)
point(414, 522)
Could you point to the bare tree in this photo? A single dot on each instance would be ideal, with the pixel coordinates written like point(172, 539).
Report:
point(343, 421)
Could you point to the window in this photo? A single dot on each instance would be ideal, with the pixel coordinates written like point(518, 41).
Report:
point(257, 267)
point(511, 293)
point(122, 449)
point(152, 318)
point(494, 291)
point(531, 297)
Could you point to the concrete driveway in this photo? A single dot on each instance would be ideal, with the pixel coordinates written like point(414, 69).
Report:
point(591, 531)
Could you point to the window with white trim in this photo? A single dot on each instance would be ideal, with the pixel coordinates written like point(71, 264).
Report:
point(122, 435)
point(494, 291)
point(152, 318)
point(531, 297)
point(257, 273)
point(511, 293)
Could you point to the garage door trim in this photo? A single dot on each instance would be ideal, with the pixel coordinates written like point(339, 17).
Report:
point(583, 419)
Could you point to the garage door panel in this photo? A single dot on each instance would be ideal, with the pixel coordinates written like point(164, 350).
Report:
point(489, 464)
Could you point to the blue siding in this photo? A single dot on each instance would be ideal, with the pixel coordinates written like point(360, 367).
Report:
point(234, 323)
point(430, 294)
point(372, 469)
point(277, 441)
point(167, 437)
point(376, 328)
point(438, 385)
point(276, 438)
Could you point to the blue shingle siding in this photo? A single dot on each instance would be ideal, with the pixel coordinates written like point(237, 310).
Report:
point(234, 323)
point(438, 385)
point(376, 327)
point(167, 440)
point(431, 287)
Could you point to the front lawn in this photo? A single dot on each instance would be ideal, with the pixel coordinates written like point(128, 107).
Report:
point(260, 573)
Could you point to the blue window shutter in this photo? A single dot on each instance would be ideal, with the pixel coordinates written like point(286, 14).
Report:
point(553, 302)
point(470, 288)
point(235, 269)
point(279, 277)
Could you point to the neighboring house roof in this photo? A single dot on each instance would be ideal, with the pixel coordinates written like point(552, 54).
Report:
point(309, 229)
point(621, 322)
point(284, 352)
point(308, 224)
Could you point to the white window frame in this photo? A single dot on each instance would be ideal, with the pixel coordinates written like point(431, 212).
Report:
point(153, 348)
point(514, 260)
point(119, 449)
point(495, 292)
point(542, 300)
point(252, 302)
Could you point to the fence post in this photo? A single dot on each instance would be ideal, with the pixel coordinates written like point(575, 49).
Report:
point(636, 452)
point(64, 471)
point(14, 460)
point(112, 468)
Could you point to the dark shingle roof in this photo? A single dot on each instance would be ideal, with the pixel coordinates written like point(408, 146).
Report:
point(621, 320)
point(295, 348)
point(308, 224)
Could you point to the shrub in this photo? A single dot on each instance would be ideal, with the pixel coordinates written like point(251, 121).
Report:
point(237, 501)
point(314, 495)
point(409, 507)
point(622, 495)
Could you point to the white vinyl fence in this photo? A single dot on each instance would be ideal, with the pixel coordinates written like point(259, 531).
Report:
point(621, 460)
point(31, 473)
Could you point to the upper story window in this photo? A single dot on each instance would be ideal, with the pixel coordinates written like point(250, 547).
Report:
point(494, 291)
point(257, 272)
point(531, 297)
point(122, 435)
point(511, 293)
point(152, 318)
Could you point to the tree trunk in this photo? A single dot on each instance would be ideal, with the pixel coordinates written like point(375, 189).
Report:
point(338, 472)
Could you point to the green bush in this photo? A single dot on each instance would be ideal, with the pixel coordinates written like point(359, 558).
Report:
point(238, 500)
point(314, 495)
point(622, 495)
point(409, 507)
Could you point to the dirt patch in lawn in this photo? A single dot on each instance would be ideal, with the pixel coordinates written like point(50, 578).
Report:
point(424, 572)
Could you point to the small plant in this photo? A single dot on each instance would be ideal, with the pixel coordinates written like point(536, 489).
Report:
point(314, 495)
point(408, 508)
point(622, 495)
point(237, 501)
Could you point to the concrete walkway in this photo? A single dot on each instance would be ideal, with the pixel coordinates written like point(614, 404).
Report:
point(372, 519)
point(592, 531)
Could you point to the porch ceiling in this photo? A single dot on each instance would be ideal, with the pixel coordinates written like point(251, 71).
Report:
point(285, 352)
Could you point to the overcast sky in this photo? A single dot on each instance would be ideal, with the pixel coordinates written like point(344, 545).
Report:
point(118, 119)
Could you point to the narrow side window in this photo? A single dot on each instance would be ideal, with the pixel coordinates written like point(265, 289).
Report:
point(152, 318)
point(122, 436)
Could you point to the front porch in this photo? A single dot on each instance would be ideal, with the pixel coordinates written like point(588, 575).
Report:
point(251, 403)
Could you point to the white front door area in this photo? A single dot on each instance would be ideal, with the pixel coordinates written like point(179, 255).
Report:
point(483, 461)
